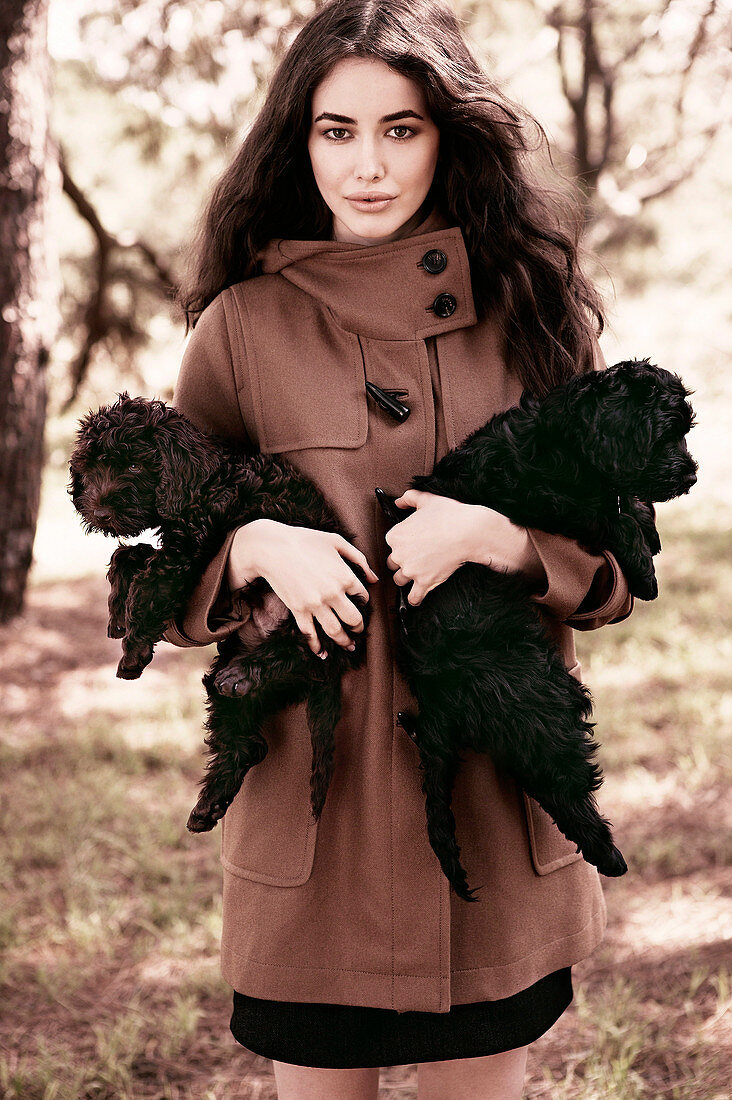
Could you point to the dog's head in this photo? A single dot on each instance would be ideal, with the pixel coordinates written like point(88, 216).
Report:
point(628, 423)
point(134, 462)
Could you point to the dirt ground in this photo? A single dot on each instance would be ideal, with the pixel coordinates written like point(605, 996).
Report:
point(93, 976)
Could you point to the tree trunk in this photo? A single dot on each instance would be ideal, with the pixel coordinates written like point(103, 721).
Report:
point(29, 177)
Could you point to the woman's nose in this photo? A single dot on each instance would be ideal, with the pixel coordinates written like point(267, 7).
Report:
point(369, 162)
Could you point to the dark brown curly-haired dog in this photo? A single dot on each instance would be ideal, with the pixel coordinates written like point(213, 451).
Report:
point(587, 461)
point(139, 464)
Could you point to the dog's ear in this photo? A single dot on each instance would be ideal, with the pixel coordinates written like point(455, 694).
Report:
point(188, 458)
point(78, 456)
point(75, 485)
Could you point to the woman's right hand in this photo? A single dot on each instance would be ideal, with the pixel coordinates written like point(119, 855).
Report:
point(319, 585)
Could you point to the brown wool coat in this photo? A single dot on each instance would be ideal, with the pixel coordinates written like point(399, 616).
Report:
point(354, 909)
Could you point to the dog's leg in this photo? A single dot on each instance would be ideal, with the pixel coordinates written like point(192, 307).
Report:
point(125, 562)
point(155, 596)
point(239, 676)
point(439, 766)
point(632, 542)
point(282, 659)
point(269, 647)
point(645, 516)
point(323, 711)
point(578, 818)
point(235, 744)
point(542, 736)
point(280, 672)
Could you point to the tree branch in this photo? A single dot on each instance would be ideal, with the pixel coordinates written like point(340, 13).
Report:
point(99, 318)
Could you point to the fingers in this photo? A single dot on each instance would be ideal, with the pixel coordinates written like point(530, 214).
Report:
point(331, 622)
point(334, 610)
point(333, 627)
point(354, 554)
point(352, 588)
point(307, 628)
point(410, 499)
point(348, 612)
point(415, 595)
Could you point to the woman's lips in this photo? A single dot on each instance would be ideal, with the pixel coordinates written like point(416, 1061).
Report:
point(370, 204)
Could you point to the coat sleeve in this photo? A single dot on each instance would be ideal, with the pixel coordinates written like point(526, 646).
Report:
point(206, 392)
point(584, 590)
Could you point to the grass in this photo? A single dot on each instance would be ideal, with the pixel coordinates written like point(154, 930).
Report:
point(111, 915)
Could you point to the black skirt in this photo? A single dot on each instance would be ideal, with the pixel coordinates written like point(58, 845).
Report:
point(332, 1036)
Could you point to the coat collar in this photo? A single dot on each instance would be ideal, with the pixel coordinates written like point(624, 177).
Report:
point(383, 291)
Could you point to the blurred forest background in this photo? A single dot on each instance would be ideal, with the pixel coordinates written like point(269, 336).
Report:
point(116, 118)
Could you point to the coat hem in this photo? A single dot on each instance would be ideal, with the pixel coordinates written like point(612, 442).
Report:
point(485, 983)
point(373, 988)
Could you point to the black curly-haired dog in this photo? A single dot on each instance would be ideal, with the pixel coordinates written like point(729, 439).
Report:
point(139, 464)
point(475, 652)
point(586, 461)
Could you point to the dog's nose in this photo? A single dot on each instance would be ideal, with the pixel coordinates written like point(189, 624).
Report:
point(102, 513)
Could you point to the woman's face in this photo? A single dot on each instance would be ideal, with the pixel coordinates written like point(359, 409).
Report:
point(355, 147)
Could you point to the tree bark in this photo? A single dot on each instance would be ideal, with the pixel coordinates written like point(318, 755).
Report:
point(29, 278)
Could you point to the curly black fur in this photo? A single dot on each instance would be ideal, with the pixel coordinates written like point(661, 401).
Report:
point(140, 465)
point(587, 461)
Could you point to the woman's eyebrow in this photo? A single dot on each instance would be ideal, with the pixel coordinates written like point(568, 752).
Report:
point(386, 118)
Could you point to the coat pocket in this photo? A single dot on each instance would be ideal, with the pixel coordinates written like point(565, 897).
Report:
point(312, 397)
point(268, 832)
point(550, 848)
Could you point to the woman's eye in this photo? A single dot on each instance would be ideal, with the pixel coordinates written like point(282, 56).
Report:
point(409, 128)
point(341, 130)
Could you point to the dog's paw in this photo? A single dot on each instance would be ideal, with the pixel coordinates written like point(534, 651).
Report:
point(205, 816)
point(129, 671)
point(233, 682)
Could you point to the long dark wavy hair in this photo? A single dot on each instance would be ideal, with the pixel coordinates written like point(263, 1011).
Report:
point(521, 235)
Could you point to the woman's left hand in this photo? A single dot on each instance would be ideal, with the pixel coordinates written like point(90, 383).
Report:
point(442, 534)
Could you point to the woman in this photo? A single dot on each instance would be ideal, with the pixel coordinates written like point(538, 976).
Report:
point(341, 938)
